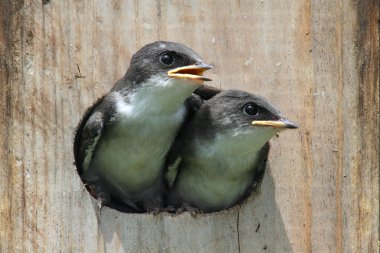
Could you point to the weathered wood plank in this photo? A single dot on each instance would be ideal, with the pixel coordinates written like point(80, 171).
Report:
point(316, 60)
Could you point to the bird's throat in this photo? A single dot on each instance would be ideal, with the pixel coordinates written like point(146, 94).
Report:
point(160, 95)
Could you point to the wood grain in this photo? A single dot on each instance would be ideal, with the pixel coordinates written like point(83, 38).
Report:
point(318, 61)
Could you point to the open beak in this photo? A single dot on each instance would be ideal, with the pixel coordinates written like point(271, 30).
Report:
point(191, 72)
point(281, 123)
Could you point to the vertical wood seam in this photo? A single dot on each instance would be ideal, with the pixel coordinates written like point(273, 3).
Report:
point(340, 141)
point(238, 230)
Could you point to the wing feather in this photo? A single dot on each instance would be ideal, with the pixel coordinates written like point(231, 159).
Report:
point(87, 134)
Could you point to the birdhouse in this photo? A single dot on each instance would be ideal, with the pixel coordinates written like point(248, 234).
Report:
point(317, 62)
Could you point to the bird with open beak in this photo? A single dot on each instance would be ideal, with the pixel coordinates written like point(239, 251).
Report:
point(221, 152)
point(122, 141)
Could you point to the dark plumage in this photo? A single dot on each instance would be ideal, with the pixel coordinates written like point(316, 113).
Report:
point(221, 152)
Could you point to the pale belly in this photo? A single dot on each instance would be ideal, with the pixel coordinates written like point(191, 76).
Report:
point(212, 193)
point(133, 156)
point(215, 177)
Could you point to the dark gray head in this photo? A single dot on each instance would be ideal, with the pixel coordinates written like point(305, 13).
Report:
point(239, 110)
point(168, 60)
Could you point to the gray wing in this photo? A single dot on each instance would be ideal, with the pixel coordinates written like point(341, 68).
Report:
point(258, 171)
point(87, 134)
point(172, 172)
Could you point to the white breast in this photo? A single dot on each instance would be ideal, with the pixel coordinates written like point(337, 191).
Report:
point(134, 150)
point(220, 170)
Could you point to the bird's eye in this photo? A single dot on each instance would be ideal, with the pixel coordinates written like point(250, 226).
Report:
point(251, 109)
point(167, 59)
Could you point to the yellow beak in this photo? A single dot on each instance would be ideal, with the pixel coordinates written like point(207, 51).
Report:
point(191, 72)
point(282, 123)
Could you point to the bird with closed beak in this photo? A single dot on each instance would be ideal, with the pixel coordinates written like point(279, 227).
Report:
point(220, 152)
point(122, 141)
